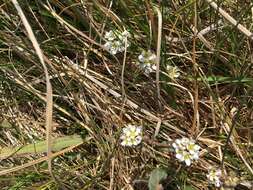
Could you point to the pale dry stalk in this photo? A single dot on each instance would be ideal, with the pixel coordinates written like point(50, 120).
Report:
point(49, 96)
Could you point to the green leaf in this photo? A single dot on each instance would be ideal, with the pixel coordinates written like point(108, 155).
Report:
point(187, 187)
point(155, 178)
point(5, 124)
point(41, 146)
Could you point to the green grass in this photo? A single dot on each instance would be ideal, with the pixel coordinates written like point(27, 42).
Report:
point(219, 78)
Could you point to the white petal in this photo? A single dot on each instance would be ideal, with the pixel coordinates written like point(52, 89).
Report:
point(217, 183)
point(110, 35)
point(121, 49)
point(153, 67)
point(191, 152)
point(132, 128)
point(122, 136)
point(175, 145)
point(188, 162)
point(168, 67)
point(185, 141)
point(125, 130)
point(141, 58)
point(208, 176)
point(148, 68)
point(179, 156)
point(123, 143)
point(178, 141)
point(139, 129)
point(113, 50)
point(218, 172)
point(195, 156)
point(138, 140)
point(177, 74)
point(196, 147)
point(152, 58)
point(108, 45)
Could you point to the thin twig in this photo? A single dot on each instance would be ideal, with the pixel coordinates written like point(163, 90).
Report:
point(112, 173)
point(195, 122)
point(123, 70)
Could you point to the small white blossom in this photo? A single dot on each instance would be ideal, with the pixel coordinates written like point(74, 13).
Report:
point(214, 176)
point(108, 46)
point(148, 68)
point(116, 41)
point(110, 36)
point(113, 47)
point(122, 46)
point(147, 61)
point(173, 72)
point(181, 143)
point(147, 57)
point(131, 135)
point(186, 150)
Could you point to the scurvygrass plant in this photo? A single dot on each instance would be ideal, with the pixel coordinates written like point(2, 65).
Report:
point(186, 150)
point(131, 135)
point(214, 176)
point(147, 61)
point(99, 78)
point(116, 41)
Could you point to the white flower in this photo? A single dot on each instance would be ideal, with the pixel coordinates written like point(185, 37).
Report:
point(148, 68)
point(108, 46)
point(110, 36)
point(147, 57)
point(116, 46)
point(147, 61)
point(113, 47)
point(116, 41)
point(173, 72)
point(141, 58)
point(122, 46)
point(152, 58)
point(181, 143)
point(186, 150)
point(131, 135)
point(214, 176)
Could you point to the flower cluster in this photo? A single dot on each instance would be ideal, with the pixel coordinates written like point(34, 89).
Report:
point(131, 135)
point(147, 61)
point(186, 150)
point(116, 41)
point(214, 176)
point(173, 72)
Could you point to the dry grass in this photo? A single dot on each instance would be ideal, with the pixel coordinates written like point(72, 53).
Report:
point(95, 94)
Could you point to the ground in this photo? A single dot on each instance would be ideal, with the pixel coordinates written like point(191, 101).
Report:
point(126, 94)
